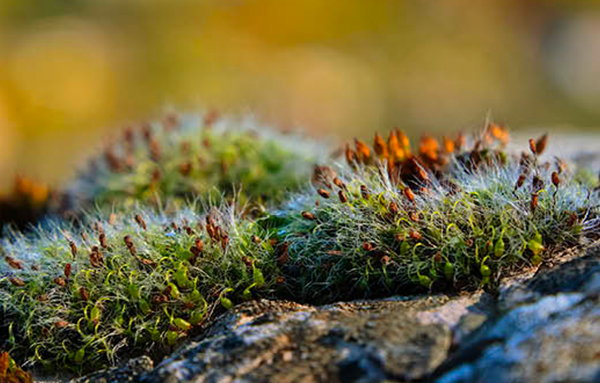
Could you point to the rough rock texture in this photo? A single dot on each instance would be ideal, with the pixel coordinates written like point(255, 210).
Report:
point(543, 326)
point(130, 372)
point(548, 331)
point(346, 342)
point(556, 339)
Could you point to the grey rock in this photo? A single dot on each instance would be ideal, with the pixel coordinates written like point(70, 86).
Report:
point(549, 330)
point(552, 340)
point(369, 341)
point(571, 271)
point(130, 372)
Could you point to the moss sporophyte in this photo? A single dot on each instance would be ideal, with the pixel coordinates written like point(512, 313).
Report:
point(134, 277)
point(186, 157)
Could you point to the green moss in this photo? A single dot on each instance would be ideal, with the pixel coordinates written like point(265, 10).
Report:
point(189, 159)
point(390, 222)
point(586, 177)
point(378, 242)
point(80, 299)
point(454, 216)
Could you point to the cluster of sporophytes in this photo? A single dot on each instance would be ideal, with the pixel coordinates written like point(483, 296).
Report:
point(391, 222)
point(81, 298)
point(454, 216)
point(186, 157)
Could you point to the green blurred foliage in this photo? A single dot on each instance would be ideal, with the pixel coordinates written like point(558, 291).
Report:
point(71, 71)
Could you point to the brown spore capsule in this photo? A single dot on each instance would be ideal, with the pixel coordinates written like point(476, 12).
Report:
point(16, 281)
point(73, 248)
point(96, 257)
point(283, 253)
point(323, 193)
point(185, 169)
point(415, 235)
point(520, 181)
point(364, 192)
point(102, 239)
point(140, 221)
point(14, 263)
point(408, 193)
point(393, 207)
point(61, 324)
point(368, 246)
point(534, 201)
point(338, 182)
point(540, 144)
point(555, 179)
point(532, 146)
point(67, 270)
point(224, 242)
point(380, 146)
point(351, 157)
point(362, 151)
point(154, 148)
point(84, 294)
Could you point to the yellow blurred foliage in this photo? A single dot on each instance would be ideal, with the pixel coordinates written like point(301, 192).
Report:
point(61, 71)
point(70, 72)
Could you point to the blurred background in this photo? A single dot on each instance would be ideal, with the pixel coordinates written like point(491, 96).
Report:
point(72, 70)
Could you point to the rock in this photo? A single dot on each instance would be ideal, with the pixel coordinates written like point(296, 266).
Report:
point(552, 340)
point(369, 341)
point(130, 372)
point(566, 272)
point(549, 330)
point(396, 339)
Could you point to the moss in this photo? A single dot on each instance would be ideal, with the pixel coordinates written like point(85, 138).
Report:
point(81, 298)
point(446, 217)
point(187, 157)
point(377, 241)
point(392, 220)
point(587, 177)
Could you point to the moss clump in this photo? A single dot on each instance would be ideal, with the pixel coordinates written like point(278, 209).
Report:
point(374, 240)
point(587, 177)
point(81, 298)
point(185, 158)
point(453, 216)
point(435, 220)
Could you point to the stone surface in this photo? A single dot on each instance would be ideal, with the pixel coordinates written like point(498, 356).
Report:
point(130, 372)
point(556, 339)
point(543, 326)
point(344, 342)
point(548, 330)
